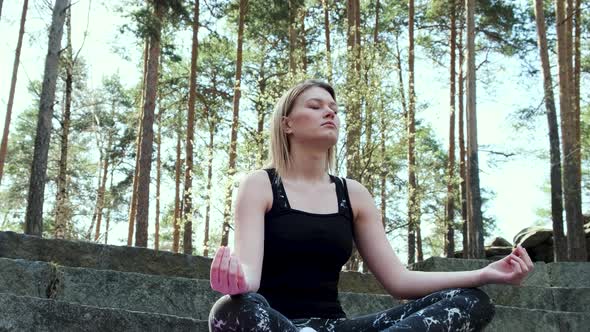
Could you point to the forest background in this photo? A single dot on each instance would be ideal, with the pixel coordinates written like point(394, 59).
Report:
point(108, 45)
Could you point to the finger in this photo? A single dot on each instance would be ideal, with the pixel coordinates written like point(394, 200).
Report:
point(522, 264)
point(527, 259)
point(515, 265)
point(224, 269)
point(214, 274)
point(233, 275)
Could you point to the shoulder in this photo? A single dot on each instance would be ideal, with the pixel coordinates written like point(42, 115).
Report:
point(255, 178)
point(356, 190)
point(360, 198)
point(255, 188)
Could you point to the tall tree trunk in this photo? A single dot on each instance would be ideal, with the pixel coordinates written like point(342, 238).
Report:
point(260, 106)
point(234, 126)
point(576, 86)
point(576, 241)
point(211, 148)
point(292, 37)
point(302, 42)
point(461, 129)
point(19, 44)
point(34, 214)
point(384, 173)
point(158, 179)
point(412, 189)
point(147, 134)
point(474, 224)
point(110, 208)
point(400, 76)
point(176, 226)
point(327, 36)
point(190, 137)
point(353, 135)
point(102, 188)
point(450, 206)
point(62, 215)
point(99, 166)
point(133, 203)
point(560, 245)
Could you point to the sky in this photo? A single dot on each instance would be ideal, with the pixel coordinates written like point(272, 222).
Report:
point(516, 181)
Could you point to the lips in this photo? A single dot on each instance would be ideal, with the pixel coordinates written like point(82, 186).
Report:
point(329, 123)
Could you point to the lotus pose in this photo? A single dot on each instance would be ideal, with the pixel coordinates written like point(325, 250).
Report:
point(295, 224)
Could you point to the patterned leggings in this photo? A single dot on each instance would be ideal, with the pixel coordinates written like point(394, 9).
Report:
point(460, 309)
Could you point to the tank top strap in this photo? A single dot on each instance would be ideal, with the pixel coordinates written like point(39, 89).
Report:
point(279, 197)
point(344, 207)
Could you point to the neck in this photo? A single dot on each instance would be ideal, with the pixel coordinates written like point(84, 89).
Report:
point(307, 165)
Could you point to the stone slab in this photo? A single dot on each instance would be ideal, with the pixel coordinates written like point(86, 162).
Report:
point(106, 257)
point(139, 292)
point(22, 313)
point(569, 274)
point(520, 319)
point(194, 297)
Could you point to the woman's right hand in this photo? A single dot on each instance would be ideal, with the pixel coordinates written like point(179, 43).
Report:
point(227, 275)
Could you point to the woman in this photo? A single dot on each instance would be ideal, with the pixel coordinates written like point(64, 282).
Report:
point(294, 229)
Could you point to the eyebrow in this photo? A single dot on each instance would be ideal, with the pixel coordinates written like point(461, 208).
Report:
point(320, 100)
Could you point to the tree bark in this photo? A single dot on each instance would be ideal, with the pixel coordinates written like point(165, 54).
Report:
point(34, 214)
point(400, 77)
point(412, 200)
point(302, 12)
point(292, 37)
point(19, 44)
point(158, 179)
point(576, 87)
point(110, 208)
point(102, 188)
point(576, 242)
point(450, 206)
point(234, 127)
point(559, 242)
point(133, 203)
point(147, 135)
point(190, 137)
point(461, 130)
point(211, 148)
point(353, 135)
point(62, 211)
point(261, 109)
point(474, 219)
point(327, 36)
point(176, 226)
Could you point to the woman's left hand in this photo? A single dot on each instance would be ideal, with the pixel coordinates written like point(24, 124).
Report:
point(512, 269)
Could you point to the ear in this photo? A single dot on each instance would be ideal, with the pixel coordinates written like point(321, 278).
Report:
point(286, 123)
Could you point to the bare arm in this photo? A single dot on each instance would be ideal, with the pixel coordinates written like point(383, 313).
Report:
point(240, 272)
point(253, 200)
point(400, 282)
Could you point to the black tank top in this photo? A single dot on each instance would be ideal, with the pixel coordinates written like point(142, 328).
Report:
point(304, 254)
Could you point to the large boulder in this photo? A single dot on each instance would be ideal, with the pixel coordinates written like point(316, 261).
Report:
point(532, 236)
point(500, 242)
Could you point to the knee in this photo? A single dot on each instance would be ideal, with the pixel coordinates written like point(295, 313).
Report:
point(479, 301)
point(236, 303)
point(230, 308)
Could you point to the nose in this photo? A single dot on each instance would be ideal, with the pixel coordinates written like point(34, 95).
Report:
point(330, 113)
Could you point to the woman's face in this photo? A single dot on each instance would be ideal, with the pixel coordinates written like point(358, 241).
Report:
point(314, 118)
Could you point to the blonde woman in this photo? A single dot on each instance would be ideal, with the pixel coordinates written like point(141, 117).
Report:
point(294, 229)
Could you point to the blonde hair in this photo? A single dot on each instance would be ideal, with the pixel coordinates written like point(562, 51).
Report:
point(280, 158)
